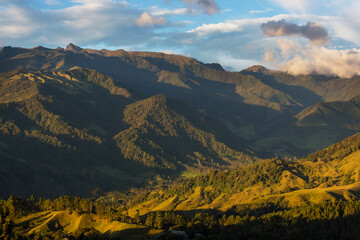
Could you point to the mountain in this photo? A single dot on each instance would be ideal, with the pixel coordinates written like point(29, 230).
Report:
point(257, 104)
point(317, 126)
point(308, 89)
point(73, 48)
point(330, 174)
point(344, 114)
point(315, 197)
point(73, 131)
point(243, 103)
point(159, 136)
point(328, 113)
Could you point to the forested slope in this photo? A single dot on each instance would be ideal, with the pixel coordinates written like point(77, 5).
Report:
point(77, 130)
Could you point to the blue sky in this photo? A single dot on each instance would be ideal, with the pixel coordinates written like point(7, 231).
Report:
point(298, 36)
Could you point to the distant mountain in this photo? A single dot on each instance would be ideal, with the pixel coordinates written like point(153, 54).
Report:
point(313, 87)
point(257, 104)
point(338, 114)
point(328, 113)
point(71, 131)
point(228, 96)
point(318, 126)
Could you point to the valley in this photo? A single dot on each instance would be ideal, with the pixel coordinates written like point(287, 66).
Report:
point(99, 144)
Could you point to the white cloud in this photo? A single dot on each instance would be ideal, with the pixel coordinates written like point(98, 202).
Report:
point(345, 22)
point(348, 25)
point(240, 25)
point(171, 52)
point(207, 29)
point(86, 22)
point(294, 5)
point(298, 59)
point(230, 63)
point(146, 20)
point(261, 11)
point(157, 12)
point(17, 22)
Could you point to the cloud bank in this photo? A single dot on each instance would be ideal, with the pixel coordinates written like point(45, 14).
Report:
point(313, 31)
point(297, 59)
point(84, 22)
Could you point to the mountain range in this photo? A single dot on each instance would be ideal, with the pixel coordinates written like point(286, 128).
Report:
point(73, 131)
point(155, 113)
point(163, 145)
point(263, 107)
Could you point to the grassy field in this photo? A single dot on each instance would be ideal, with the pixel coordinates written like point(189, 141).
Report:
point(50, 221)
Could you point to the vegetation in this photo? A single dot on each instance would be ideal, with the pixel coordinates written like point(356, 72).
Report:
point(158, 136)
point(67, 130)
point(278, 114)
point(115, 140)
point(338, 151)
point(274, 199)
point(19, 219)
point(54, 219)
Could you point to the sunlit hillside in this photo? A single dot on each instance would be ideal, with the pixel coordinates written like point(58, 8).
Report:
point(266, 197)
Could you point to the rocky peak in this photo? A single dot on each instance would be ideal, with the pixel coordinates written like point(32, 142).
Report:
point(73, 48)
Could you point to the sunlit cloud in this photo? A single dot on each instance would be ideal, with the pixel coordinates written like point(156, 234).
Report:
point(146, 20)
point(297, 59)
point(171, 52)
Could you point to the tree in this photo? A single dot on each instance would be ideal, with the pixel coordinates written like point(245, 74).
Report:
point(150, 220)
point(159, 221)
point(137, 217)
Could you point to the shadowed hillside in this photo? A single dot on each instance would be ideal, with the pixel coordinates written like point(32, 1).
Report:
point(256, 104)
point(72, 131)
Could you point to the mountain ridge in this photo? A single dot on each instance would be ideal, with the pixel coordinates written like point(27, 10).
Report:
point(257, 104)
point(110, 143)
